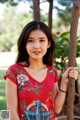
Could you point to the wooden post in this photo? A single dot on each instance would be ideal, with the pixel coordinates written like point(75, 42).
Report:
point(50, 14)
point(36, 10)
point(72, 59)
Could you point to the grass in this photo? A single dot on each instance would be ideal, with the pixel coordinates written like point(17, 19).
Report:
point(2, 90)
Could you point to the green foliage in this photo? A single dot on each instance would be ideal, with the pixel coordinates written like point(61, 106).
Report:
point(65, 15)
point(78, 47)
point(64, 34)
point(2, 91)
point(62, 49)
point(61, 53)
point(11, 26)
point(2, 1)
point(11, 2)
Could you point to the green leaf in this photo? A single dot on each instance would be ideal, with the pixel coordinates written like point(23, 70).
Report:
point(64, 34)
point(17, 70)
point(64, 41)
point(36, 91)
point(55, 36)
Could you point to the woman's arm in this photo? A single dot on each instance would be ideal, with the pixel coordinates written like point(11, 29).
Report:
point(12, 99)
point(59, 96)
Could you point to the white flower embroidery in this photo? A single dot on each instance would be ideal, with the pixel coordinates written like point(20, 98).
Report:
point(22, 79)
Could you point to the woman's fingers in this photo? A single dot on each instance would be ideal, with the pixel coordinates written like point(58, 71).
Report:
point(73, 73)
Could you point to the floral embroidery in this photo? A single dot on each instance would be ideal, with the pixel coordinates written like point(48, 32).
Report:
point(22, 79)
point(11, 74)
point(51, 92)
point(22, 105)
point(19, 71)
point(52, 71)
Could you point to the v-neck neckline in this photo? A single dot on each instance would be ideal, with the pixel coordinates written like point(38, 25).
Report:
point(24, 68)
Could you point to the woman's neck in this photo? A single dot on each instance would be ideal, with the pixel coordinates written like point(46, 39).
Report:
point(36, 64)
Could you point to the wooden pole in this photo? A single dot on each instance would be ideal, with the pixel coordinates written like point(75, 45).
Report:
point(72, 59)
point(36, 10)
point(50, 14)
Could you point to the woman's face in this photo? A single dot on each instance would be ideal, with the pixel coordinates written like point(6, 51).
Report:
point(37, 44)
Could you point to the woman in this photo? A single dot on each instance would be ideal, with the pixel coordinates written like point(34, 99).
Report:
point(33, 78)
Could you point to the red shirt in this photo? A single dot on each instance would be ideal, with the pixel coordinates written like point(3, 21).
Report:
point(30, 90)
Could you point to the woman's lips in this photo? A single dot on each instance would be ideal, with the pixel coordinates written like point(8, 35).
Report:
point(36, 52)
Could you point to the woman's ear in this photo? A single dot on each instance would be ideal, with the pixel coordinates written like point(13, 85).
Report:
point(49, 44)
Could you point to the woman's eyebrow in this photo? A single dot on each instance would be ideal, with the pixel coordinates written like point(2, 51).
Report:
point(30, 38)
point(39, 37)
point(42, 38)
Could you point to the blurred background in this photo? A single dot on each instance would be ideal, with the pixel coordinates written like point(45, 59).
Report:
point(14, 15)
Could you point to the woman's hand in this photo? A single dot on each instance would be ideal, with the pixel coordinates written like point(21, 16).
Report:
point(60, 95)
point(70, 72)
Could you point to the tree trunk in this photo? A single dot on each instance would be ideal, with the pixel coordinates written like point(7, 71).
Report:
point(72, 59)
point(36, 10)
point(50, 14)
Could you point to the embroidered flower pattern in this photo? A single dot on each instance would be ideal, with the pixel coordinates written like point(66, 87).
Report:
point(52, 71)
point(22, 79)
point(10, 74)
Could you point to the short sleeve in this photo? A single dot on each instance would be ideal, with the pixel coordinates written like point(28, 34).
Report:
point(11, 74)
point(56, 75)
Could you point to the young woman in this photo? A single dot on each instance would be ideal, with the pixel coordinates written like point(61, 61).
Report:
point(33, 78)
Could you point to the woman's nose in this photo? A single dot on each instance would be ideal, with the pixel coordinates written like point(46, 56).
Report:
point(36, 45)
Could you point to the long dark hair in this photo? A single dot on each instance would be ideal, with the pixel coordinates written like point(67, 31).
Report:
point(22, 52)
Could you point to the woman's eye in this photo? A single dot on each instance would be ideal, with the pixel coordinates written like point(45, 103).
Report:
point(42, 40)
point(30, 40)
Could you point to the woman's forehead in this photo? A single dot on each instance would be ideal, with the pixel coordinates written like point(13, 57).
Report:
point(37, 33)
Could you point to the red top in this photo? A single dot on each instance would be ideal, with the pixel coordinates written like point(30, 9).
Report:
point(30, 90)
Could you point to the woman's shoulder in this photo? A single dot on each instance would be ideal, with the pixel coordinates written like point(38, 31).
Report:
point(52, 67)
point(15, 69)
point(54, 72)
point(15, 65)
